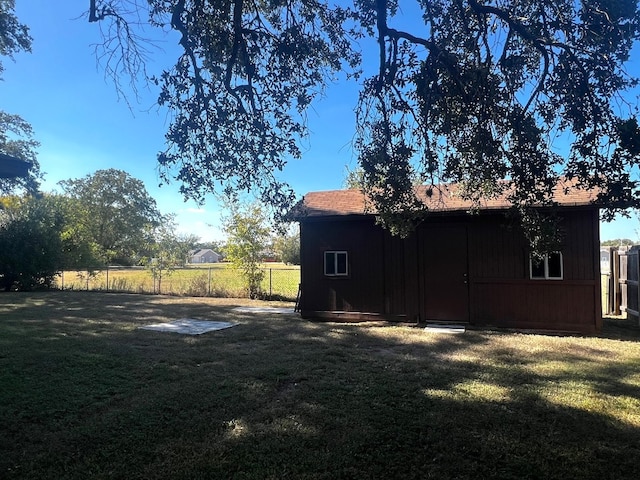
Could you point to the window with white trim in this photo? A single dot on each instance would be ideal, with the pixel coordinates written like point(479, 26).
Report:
point(336, 263)
point(546, 267)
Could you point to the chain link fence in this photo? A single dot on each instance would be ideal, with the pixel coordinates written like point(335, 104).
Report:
point(219, 281)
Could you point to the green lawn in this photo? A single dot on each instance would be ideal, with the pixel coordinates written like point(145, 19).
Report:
point(85, 394)
point(216, 280)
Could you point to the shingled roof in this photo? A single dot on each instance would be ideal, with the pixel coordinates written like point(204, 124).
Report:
point(444, 198)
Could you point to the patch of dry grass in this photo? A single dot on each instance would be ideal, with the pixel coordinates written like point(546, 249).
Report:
point(84, 393)
point(216, 280)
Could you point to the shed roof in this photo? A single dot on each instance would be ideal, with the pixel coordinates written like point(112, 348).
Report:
point(443, 198)
point(11, 167)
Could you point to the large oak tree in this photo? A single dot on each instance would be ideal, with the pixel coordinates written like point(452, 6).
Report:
point(483, 92)
point(115, 212)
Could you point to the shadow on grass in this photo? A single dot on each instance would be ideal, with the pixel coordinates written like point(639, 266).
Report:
point(88, 395)
point(620, 328)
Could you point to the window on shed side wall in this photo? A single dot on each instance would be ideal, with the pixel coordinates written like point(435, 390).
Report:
point(547, 267)
point(336, 263)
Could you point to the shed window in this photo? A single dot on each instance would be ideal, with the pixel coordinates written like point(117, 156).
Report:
point(335, 264)
point(548, 267)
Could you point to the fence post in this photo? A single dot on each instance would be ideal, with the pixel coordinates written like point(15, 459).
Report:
point(610, 282)
point(633, 285)
point(209, 284)
point(270, 284)
point(107, 277)
point(62, 279)
point(615, 276)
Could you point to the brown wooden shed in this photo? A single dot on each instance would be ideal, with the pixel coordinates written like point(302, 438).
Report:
point(474, 269)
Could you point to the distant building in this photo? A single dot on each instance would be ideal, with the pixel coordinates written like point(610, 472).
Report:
point(205, 255)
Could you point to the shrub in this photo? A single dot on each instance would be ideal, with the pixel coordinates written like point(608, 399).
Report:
point(197, 286)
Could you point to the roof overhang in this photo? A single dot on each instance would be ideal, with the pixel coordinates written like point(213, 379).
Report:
point(12, 167)
point(444, 199)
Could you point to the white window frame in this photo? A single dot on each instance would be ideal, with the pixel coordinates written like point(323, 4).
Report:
point(546, 267)
point(335, 254)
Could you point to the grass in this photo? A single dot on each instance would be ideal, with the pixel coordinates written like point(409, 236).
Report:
point(216, 279)
point(85, 394)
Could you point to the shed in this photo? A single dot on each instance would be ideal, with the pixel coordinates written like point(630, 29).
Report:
point(475, 269)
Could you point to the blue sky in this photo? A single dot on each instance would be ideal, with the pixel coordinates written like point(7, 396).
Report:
point(83, 126)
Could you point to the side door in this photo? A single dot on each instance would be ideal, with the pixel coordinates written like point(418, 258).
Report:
point(444, 273)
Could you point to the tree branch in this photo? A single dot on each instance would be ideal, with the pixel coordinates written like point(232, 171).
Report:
point(237, 41)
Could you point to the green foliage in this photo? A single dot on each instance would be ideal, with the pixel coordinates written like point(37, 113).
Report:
point(31, 245)
point(354, 179)
point(483, 93)
point(78, 249)
point(116, 212)
point(287, 247)
point(167, 251)
point(247, 238)
point(14, 36)
point(618, 242)
point(480, 93)
point(240, 88)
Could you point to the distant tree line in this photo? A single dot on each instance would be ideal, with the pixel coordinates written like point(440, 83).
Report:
point(618, 242)
point(104, 218)
point(109, 218)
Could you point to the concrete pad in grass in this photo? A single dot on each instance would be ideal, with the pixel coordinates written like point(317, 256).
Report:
point(189, 326)
point(444, 328)
point(282, 310)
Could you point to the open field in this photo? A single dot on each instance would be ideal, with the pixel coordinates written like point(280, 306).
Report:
point(86, 394)
point(216, 280)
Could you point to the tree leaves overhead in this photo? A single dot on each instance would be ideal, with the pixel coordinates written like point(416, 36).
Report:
point(485, 92)
point(497, 94)
point(239, 90)
point(14, 36)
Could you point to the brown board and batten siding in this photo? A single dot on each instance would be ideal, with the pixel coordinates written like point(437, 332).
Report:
point(455, 267)
point(503, 294)
point(379, 274)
